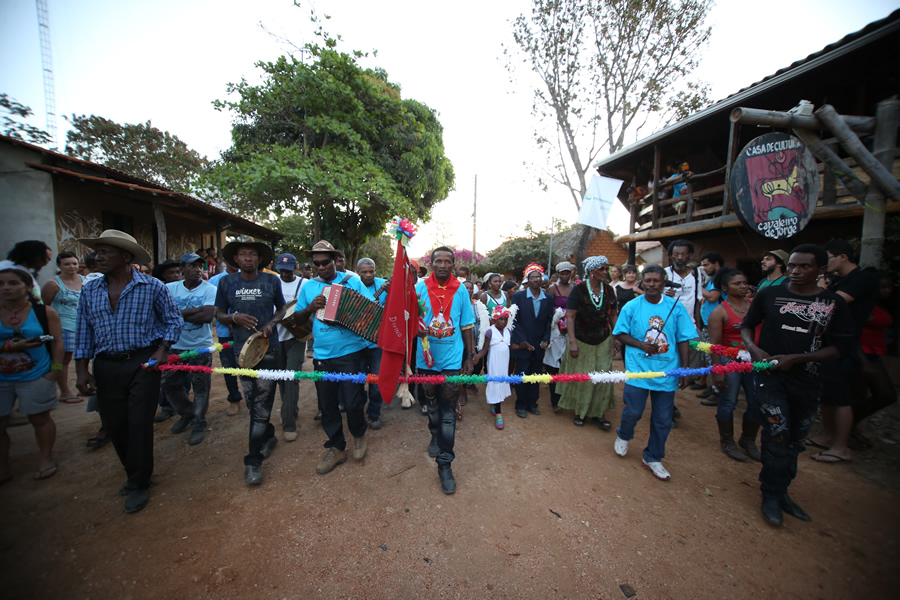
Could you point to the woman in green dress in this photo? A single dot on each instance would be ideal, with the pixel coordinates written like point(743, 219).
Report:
point(591, 312)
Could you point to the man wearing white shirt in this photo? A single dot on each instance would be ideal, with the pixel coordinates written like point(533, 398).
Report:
point(290, 351)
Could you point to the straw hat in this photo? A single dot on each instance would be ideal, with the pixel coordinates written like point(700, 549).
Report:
point(324, 247)
point(120, 239)
point(231, 249)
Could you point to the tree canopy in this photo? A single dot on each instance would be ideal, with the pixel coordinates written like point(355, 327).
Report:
point(11, 124)
point(605, 70)
point(139, 149)
point(516, 253)
point(323, 138)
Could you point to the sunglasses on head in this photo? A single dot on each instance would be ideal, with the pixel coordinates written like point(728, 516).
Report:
point(323, 263)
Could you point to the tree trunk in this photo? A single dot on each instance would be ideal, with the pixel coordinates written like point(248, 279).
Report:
point(581, 247)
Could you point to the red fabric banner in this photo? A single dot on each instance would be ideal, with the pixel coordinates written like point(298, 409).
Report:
point(399, 325)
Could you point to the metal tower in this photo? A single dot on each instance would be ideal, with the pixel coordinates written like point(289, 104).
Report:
point(47, 66)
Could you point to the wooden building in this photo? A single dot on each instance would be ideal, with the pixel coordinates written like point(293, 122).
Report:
point(56, 198)
point(853, 75)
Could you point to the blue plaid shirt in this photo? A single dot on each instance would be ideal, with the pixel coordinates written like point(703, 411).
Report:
point(146, 312)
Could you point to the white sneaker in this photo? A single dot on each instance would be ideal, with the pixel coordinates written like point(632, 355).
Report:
point(657, 469)
point(621, 446)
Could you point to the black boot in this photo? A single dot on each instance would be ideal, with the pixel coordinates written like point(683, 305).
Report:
point(433, 449)
point(726, 439)
point(791, 508)
point(749, 429)
point(448, 483)
point(771, 510)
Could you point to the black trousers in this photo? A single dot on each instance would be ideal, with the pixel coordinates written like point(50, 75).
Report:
point(441, 403)
point(351, 395)
point(527, 393)
point(127, 397)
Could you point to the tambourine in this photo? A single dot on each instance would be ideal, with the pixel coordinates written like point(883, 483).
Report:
point(253, 351)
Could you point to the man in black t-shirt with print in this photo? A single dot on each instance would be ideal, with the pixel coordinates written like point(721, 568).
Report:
point(802, 326)
point(859, 289)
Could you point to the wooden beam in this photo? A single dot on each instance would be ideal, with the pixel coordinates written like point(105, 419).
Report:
point(887, 118)
point(786, 120)
point(654, 219)
point(880, 175)
point(829, 180)
point(833, 162)
point(161, 233)
point(734, 139)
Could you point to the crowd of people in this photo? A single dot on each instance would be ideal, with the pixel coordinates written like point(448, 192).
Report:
point(822, 323)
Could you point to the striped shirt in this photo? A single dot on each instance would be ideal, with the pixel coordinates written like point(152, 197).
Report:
point(145, 313)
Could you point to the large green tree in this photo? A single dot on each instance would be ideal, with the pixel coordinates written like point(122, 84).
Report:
point(139, 149)
point(604, 70)
point(323, 138)
point(12, 123)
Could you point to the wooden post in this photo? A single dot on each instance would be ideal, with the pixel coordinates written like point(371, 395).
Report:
point(887, 119)
point(689, 215)
point(656, 178)
point(829, 181)
point(734, 138)
point(785, 120)
point(632, 253)
point(160, 233)
point(833, 162)
point(880, 175)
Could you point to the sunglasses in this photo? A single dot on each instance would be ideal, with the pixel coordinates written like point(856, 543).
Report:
point(323, 263)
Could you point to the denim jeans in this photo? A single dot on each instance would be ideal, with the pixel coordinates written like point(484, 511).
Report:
point(527, 393)
point(729, 397)
point(372, 364)
point(788, 408)
point(635, 400)
point(290, 357)
point(333, 393)
point(175, 382)
point(440, 400)
point(260, 395)
point(229, 361)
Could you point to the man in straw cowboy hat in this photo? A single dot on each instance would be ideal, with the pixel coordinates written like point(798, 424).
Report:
point(249, 301)
point(337, 350)
point(125, 318)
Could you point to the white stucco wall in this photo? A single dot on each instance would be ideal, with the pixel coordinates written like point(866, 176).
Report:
point(26, 200)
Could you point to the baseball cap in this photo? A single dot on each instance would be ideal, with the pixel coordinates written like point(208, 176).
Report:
point(285, 262)
point(190, 258)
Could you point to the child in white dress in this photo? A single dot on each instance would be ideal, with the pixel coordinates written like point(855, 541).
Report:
point(496, 347)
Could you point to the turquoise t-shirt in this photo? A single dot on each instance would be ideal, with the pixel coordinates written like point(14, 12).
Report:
point(645, 322)
point(332, 341)
point(382, 298)
point(194, 336)
point(27, 365)
point(707, 307)
point(447, 352)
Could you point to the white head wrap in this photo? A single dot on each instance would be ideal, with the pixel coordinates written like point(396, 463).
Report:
point(594, 262)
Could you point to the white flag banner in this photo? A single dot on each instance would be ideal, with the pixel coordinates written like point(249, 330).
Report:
point(598, 201)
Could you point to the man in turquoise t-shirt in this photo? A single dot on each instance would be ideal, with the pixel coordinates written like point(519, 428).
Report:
point(337, 350)
point(449, 320)
point(656, 330)
point(196, 300)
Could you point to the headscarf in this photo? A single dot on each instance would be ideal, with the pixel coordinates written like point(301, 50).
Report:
point(565, 266)
point(500, 312)
point(594, 262)
point(487, 278)
point(533, 267)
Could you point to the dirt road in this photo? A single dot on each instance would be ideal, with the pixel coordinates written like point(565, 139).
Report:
point(544, 510)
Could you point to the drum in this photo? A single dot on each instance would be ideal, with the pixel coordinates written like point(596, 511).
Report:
point(301, 333)
point(253, 351)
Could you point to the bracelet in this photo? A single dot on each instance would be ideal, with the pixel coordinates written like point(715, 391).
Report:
point(56, 366)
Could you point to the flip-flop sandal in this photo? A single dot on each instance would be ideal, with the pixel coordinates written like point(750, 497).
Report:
point(71, 400)
point(579, 422)
point(837, 459)
point(97, 442)
point(45, 474)
point(811, 444)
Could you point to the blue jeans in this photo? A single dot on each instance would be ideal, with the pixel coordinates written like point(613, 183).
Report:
point(177, 386)
point(728, 398)
point(372, 364)
point(635, 400)
point(788, 408)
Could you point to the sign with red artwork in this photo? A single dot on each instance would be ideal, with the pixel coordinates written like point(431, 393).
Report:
point(775, 185)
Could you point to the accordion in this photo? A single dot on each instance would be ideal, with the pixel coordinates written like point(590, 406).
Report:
point(348, 308)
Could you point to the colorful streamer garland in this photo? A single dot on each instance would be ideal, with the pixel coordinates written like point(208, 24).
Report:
point(738, 354)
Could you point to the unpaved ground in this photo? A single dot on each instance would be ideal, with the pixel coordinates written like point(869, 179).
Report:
point(544, 510)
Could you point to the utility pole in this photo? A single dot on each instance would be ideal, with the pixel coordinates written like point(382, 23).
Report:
point(47, 66)
point(550, 254)
point(474, 217)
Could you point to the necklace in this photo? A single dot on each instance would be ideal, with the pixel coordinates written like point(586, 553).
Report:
point(15, 319)
point(742, 310)
point(597, 304)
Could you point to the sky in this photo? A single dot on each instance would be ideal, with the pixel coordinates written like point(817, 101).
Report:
point(166, 62)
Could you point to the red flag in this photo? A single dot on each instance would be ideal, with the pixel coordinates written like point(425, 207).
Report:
point(399, 325)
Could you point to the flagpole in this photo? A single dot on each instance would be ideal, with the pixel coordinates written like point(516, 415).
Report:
point(474, 217)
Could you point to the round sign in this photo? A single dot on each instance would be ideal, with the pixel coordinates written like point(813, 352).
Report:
point(775, 185)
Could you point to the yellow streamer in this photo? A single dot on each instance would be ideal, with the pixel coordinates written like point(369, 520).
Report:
point(647, 375)
point(537, 378)
point(704, 347)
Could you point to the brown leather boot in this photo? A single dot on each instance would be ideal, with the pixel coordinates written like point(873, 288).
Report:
point(747, 441)
point(726, 439)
